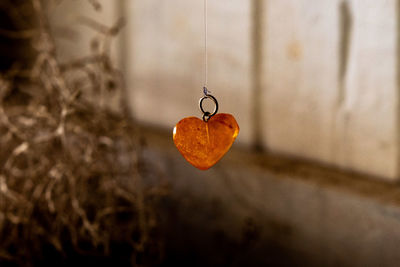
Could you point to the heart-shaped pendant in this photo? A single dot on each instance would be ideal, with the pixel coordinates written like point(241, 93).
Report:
point(204, 143)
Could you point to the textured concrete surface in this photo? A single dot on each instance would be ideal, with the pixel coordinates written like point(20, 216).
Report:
point(276, 210)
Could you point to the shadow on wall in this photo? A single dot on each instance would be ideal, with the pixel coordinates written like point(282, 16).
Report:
point(195, 237)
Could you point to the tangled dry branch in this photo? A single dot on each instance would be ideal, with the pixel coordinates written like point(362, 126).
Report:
point(69, 167)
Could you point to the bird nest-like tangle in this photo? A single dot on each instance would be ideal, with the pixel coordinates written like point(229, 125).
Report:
point(71, 186)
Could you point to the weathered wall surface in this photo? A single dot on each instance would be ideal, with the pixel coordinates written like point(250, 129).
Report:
point(318, 81)
point(330, 86)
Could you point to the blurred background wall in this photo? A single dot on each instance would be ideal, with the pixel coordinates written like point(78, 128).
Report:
point(315, 82)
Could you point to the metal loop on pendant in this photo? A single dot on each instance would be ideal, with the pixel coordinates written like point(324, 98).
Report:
point(206, 114)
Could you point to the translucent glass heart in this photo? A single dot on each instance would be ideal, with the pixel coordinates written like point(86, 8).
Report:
point(202, 143)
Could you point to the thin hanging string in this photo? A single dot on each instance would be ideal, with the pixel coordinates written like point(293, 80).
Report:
point(206, 114)
point(205, 90)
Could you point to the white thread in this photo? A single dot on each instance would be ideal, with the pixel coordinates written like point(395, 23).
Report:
point(205, 45)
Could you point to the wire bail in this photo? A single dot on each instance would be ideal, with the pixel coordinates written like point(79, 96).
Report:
point(206, 114)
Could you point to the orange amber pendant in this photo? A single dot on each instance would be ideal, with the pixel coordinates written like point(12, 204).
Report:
point(204, 143)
